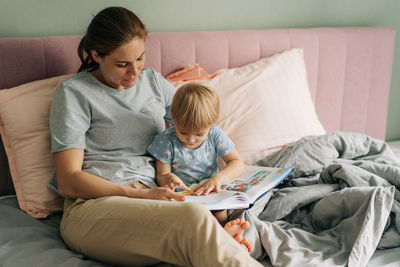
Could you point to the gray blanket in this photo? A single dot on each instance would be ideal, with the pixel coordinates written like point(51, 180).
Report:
point(339, 205)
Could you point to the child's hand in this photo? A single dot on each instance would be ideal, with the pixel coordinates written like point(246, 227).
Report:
point(211, 185)
point(171, 181)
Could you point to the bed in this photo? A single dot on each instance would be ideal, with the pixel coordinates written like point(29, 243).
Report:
point(313, 99)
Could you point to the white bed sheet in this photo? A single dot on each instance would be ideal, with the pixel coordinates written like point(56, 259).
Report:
point(395, 146)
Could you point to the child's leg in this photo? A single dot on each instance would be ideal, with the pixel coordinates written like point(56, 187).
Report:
point(221, 216)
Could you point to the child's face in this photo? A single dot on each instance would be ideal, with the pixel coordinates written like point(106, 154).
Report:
point(191, 139)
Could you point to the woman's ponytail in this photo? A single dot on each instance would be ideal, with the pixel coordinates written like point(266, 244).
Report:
point(108, 30)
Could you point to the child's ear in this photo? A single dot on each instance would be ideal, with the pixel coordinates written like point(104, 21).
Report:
point(95, 56)
point(168, 125)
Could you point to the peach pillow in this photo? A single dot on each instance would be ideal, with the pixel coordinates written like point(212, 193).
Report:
point(24, 128)
point(266, 104)
point(191, 73)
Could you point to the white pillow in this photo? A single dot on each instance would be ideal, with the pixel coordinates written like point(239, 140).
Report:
point(266, 104)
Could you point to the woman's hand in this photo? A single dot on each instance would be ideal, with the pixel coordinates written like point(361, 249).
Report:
point(211, 185)
point(163, 193)
point(171, 181)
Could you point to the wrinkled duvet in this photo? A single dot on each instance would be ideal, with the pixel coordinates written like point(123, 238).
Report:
point(337, 208)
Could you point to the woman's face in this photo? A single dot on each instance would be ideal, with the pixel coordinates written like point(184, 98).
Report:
point(121, 68)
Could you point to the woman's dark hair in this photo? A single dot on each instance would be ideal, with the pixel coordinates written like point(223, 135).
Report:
point(109, 29)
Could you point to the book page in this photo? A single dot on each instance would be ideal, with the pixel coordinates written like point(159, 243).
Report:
point(241, 192)
point(256, 181)
point(222, 200)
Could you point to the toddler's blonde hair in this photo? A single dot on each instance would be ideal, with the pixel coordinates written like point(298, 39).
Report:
point(195, 107)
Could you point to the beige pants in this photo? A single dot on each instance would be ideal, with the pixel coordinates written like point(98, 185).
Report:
point(136, 232)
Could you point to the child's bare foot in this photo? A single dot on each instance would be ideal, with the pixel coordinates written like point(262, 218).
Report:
point(236, 228)
point(246, 243)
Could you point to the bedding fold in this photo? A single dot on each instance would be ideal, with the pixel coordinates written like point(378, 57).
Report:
point(339, 205)
point(26, 241)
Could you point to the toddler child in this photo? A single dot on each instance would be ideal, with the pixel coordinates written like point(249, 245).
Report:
point(188, 152)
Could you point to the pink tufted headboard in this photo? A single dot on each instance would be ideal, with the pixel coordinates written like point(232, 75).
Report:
point(349, 69)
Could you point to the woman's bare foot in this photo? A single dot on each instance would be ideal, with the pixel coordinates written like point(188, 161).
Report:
point(236, 228)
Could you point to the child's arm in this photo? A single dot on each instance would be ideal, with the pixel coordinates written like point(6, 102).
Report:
point(234, 167)
point(165, 178)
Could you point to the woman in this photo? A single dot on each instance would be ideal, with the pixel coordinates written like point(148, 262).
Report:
point(102, 120)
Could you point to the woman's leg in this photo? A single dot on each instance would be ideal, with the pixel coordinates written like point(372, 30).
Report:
point(125, 231)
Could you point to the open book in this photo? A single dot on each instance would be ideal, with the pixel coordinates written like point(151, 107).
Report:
point(242, 192)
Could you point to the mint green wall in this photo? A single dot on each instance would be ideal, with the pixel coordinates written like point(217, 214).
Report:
point(21, 18)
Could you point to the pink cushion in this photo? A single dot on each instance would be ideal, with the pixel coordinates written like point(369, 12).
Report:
point(24, 128)
point(266, 104)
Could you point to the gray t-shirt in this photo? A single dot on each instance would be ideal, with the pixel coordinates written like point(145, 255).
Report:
point(113, 127)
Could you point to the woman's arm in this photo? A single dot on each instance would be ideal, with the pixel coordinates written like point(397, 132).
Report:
point(74, 183)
